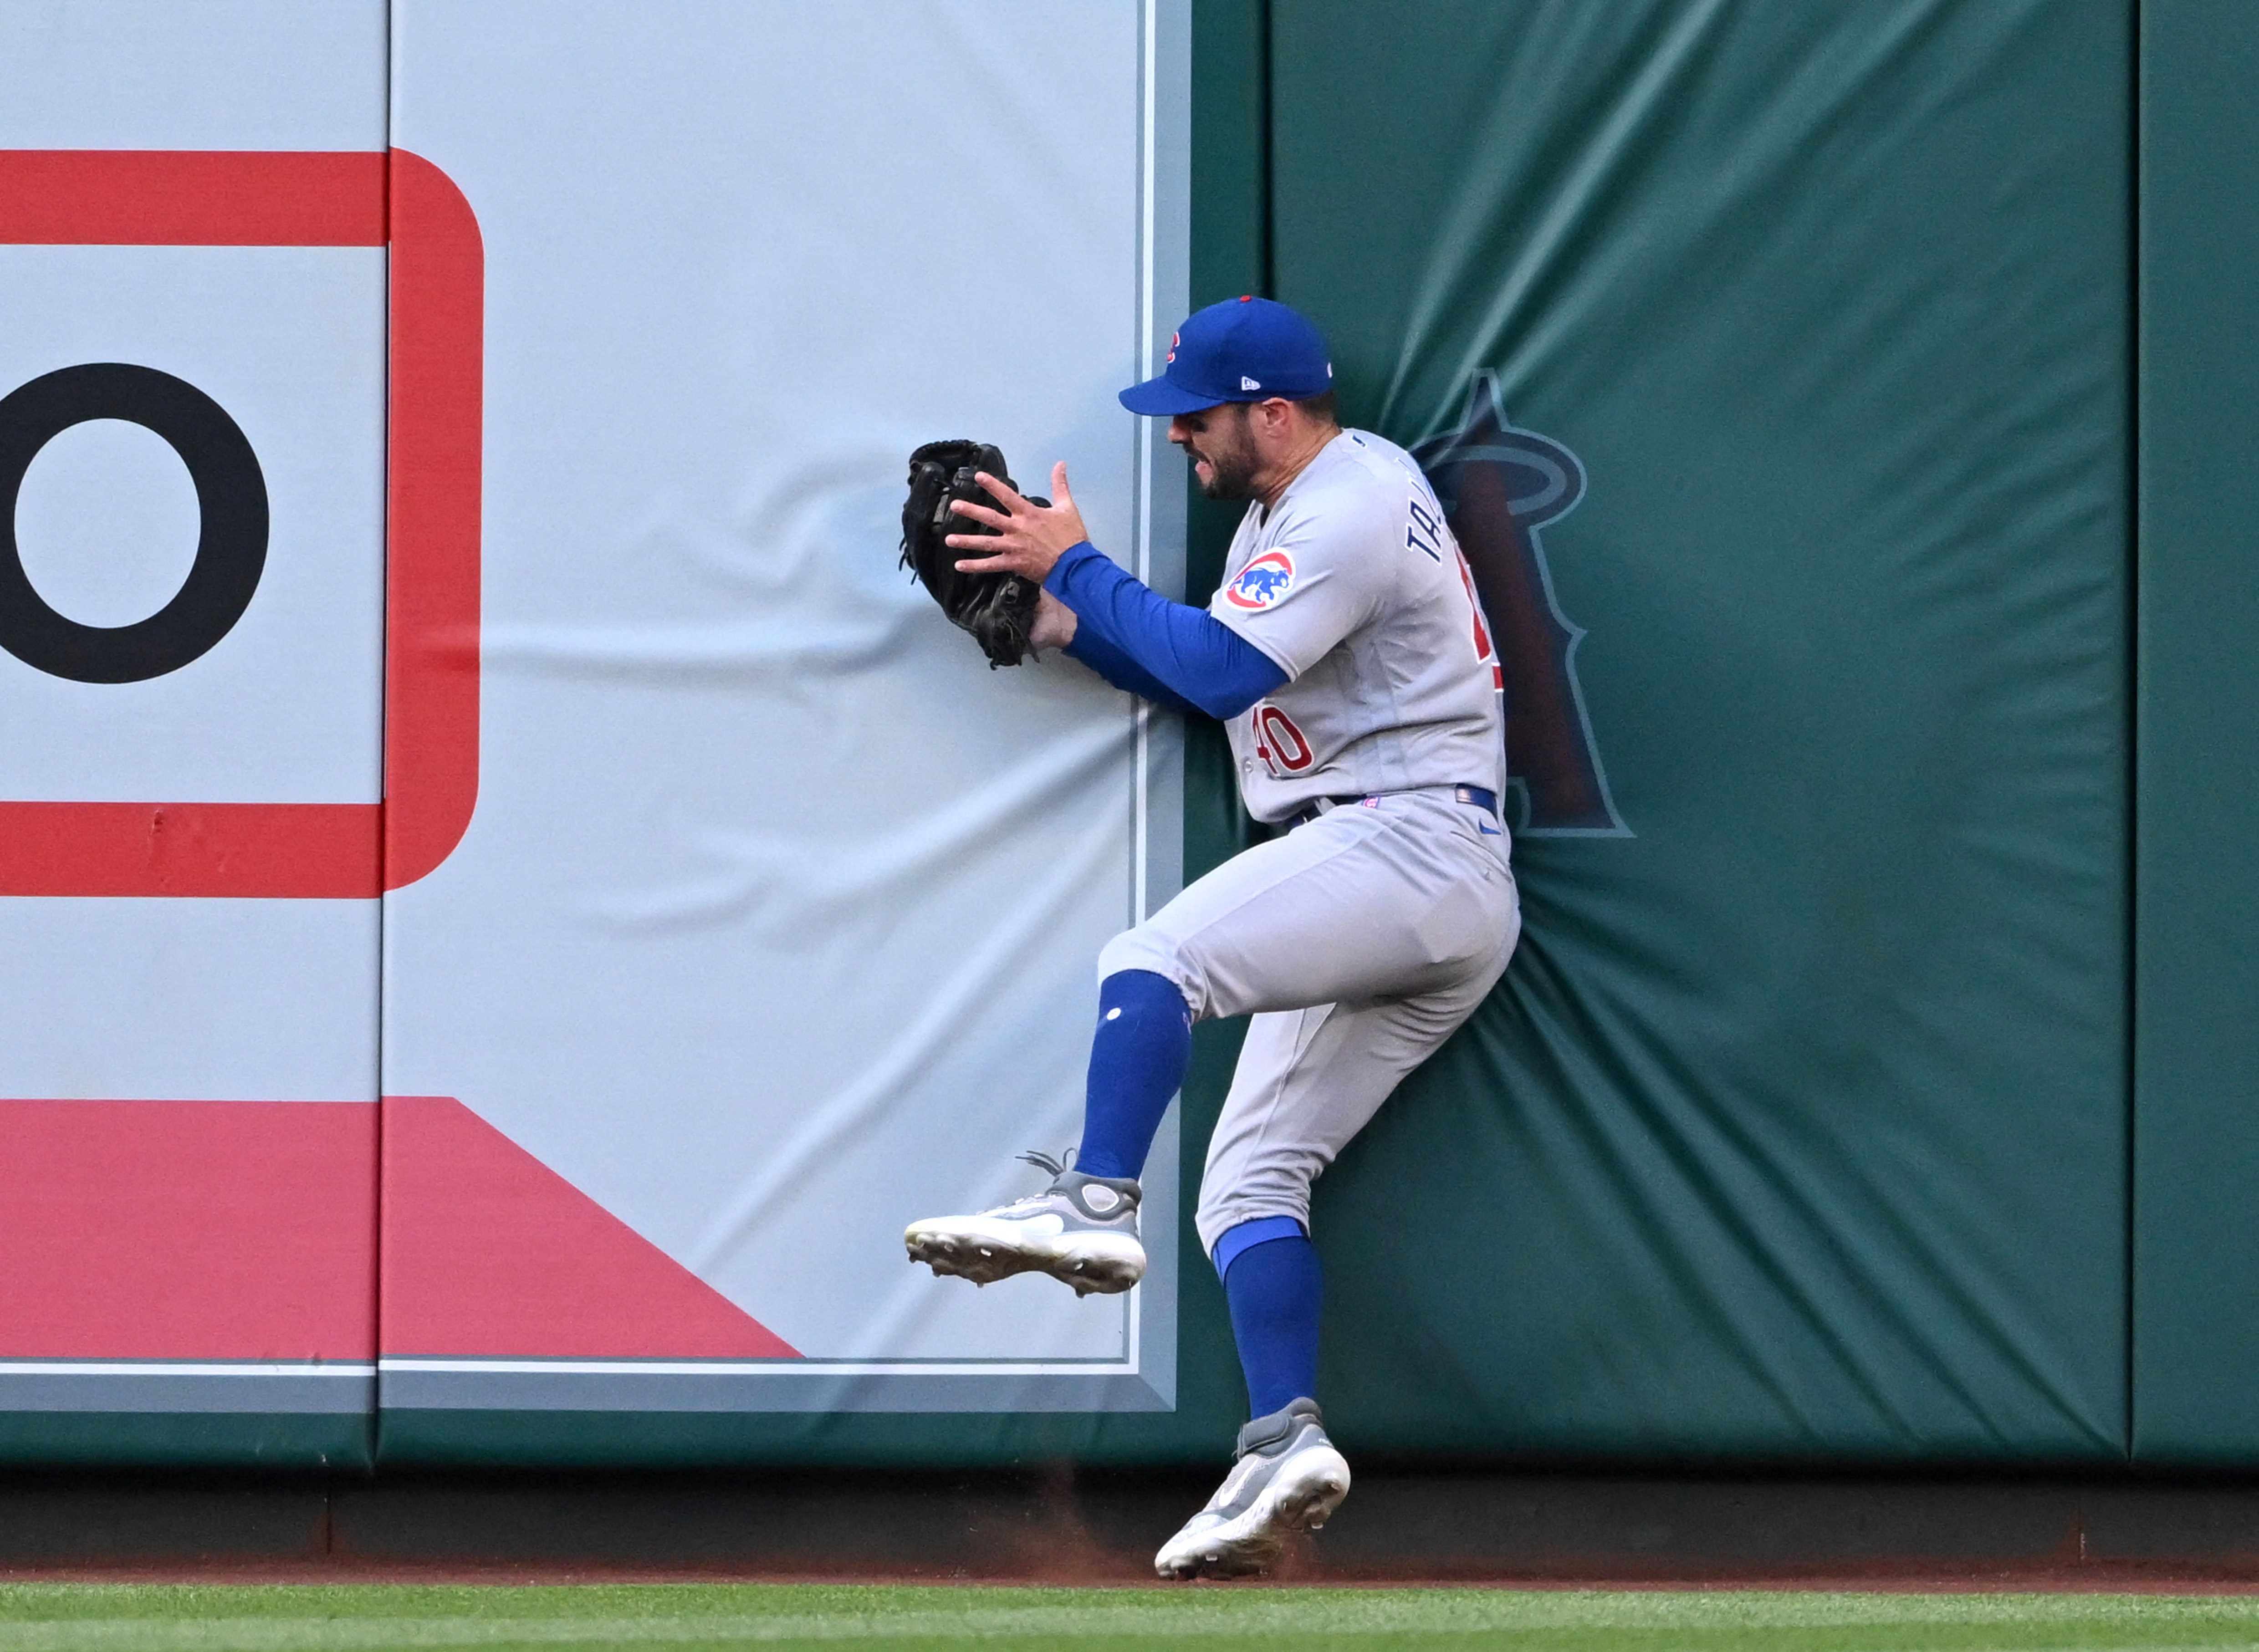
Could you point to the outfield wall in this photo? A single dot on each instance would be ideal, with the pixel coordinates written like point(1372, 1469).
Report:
point(493, 990)
point(1800, 1125)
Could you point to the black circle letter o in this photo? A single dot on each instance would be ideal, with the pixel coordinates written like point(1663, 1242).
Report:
point(230, 504)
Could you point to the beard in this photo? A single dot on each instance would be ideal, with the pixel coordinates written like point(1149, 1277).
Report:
point(1230, 455)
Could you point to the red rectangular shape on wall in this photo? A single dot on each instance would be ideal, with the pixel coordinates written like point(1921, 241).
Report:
point(188, 1230)
point(190, 197)
point(310, 851)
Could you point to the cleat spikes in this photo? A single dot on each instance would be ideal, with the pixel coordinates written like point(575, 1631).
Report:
point(1288, 1477)
point(1046, 1233)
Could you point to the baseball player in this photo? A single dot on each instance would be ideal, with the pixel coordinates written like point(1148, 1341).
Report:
point(1348, 657)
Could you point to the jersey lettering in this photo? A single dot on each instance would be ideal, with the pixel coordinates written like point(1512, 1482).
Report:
point(1423, 530)
point(1280, 743)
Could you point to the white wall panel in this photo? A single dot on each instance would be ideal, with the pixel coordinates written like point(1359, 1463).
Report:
point(776, 923)
point(188, 1000)
point(192, 74)
point(169, 994)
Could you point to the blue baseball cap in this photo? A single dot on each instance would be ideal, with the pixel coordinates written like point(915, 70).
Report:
point(1242, 350)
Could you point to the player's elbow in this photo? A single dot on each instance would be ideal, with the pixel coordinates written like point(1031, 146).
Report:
point(1248, 675)
point(1223, 706)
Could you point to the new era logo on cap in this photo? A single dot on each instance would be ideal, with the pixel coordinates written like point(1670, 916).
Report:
point(1246, 384)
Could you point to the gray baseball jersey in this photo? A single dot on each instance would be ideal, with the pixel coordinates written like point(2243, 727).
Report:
point(1352, 584)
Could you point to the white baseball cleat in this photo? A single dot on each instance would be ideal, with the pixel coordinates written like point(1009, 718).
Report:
point(1288, 1477)
point(1082, 1230)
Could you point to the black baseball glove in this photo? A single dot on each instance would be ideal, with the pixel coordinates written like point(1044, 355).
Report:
point(997, 608)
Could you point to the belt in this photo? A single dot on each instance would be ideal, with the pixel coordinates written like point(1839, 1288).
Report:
point(1481, 797)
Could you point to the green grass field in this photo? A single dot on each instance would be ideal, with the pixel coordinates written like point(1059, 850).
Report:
point(154, 1618)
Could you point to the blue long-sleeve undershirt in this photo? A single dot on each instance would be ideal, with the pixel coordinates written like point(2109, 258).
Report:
point(1122, 672)
point(1182, 657)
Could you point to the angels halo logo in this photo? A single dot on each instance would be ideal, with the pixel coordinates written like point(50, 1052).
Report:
point(1500, 485)
point(1262, 582)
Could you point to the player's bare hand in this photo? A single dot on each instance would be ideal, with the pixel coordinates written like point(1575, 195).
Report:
point(1028, 537)
point(1055, 623)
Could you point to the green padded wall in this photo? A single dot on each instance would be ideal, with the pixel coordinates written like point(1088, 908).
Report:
point(1798, 1130)
point(2196, 1331)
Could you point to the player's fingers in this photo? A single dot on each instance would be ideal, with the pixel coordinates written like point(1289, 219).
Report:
point(1061, 495)
point(998, 487)
point(980, 513)
point(988, 565)
point(994, 546)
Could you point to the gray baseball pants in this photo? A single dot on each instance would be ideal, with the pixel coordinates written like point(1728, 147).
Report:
point(1359, 943)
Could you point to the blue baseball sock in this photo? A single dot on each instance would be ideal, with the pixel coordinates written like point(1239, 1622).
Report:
point(1275, 1290)
point(1137, 1061)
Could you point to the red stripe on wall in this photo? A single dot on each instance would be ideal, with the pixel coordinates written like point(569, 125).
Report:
point(488, 1251)
point(431, 602)
point(188, 198)
point(237, 1230)
point(311, 851)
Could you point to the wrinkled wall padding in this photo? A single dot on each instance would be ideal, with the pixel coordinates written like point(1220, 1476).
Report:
point(1798, 1127)
point(2196, 1246)
point(773, 928)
